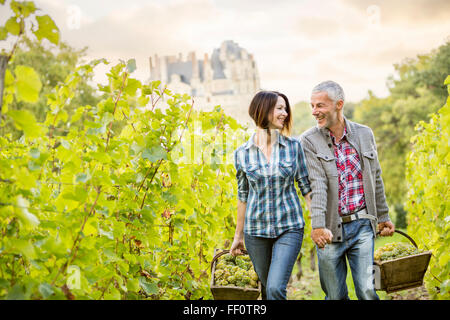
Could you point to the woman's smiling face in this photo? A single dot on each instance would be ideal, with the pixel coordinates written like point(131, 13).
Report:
point(279, 114)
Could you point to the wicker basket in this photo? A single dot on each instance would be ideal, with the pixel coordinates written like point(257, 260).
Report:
point(402, 273)
point(231, 292)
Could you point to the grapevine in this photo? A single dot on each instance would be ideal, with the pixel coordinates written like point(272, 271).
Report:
point(122, 201)
point(428, 177)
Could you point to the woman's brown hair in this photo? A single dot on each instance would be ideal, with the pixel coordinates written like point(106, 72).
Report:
point(263, 104)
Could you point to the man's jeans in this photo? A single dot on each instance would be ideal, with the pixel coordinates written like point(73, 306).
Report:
point(273, 259)
point(358, 246)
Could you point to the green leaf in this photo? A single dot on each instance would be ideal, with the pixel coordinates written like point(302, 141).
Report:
point(16, 293)
point(132, 86)
point(3, 33)
point(149, 287)
point(28, 84)
point(46, 290)
point(131, 65)
point(133, 285)
point(24, 8)
point(13, 26)
point(113, 294)
point(24, 120)
point(47, 29)
point(154, 154)
point(20, 246)
point(447, 80)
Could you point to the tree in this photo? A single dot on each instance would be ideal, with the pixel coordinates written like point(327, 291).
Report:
point(25, 19)
point(413, 97)
point(53, 64)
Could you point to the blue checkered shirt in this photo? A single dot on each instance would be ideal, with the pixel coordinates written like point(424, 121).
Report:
point(273, 205)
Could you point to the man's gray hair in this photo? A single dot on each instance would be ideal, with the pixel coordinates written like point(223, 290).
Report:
point(334, 90)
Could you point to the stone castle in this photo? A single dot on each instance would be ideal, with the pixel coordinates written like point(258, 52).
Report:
point(228, 78)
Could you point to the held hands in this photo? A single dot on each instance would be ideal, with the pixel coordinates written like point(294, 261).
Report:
point(386, 228)
point(321, 236)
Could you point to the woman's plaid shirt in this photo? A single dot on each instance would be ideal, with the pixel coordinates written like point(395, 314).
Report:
point(351, 189)
point(273, 205)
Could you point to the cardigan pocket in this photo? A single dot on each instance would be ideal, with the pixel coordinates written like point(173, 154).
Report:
point(329, 164)
point(370, 158)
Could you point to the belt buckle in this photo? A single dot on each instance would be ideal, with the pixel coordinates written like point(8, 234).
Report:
point(349, 218)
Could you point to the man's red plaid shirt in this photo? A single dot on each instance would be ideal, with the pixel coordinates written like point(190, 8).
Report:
point(351, 190)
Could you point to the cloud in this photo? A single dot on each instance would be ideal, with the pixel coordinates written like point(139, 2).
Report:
point(295, 43)
point(405, 12)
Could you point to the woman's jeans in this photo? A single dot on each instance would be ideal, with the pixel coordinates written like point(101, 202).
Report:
point(273, 259)
point(357, 246)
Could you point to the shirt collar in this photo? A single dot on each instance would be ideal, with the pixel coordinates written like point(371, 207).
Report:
point(343, 135)
point(280, 139)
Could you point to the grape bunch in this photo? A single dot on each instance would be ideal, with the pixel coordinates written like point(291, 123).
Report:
point(395, 250)
point(235, 271)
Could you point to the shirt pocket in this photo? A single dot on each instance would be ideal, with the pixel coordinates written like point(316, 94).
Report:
point(254, 172)
point(329, 164)
point(286, 169)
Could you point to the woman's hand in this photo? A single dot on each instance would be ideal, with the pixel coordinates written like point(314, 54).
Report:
point(237, 246)
point(238, 242)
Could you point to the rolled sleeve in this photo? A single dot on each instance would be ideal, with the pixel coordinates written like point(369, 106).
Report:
point(301, 175)
point(242, 182)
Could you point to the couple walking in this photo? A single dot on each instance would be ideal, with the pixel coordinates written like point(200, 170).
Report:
point(338, 173)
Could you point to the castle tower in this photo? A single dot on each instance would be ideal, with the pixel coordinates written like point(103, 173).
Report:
point(228, 77)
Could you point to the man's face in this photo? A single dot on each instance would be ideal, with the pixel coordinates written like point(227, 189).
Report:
point(323, 109)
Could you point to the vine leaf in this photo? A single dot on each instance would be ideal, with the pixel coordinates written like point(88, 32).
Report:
point(47, 29)
point(131, 65)
point(28, 84)
point(154, 154)
point(25, 120)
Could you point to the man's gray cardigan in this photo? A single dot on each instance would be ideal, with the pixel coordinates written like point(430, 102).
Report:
point(323, 176)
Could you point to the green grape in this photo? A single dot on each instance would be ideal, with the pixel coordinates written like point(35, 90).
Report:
point(395, 250)
point(235, 271)
point(245, 279)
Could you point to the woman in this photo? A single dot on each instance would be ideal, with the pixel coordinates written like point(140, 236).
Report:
point(269, 217)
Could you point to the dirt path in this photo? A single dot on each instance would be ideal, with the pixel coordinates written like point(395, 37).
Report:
point(308, 288)
point(419, 293)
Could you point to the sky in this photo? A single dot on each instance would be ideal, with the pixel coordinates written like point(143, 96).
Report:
point(296, 43)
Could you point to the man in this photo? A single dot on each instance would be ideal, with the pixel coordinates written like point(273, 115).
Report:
point(348, 196)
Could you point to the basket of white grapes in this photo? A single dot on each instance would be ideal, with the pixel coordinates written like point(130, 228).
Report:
point(400, 265)
point(233, 277)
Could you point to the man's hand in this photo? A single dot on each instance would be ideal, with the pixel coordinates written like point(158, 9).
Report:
point(386, 228)
point(321, 236)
